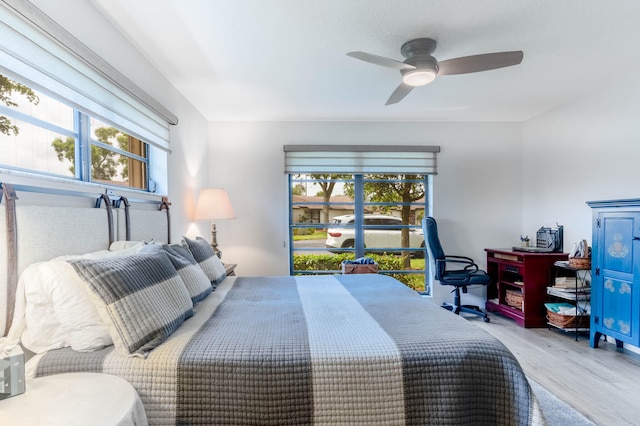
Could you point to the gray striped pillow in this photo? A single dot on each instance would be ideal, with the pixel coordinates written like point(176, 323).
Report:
point(141, 299)
point(206, 258)
point(197, 283)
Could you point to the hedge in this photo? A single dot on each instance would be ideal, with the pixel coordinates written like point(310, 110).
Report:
point(333, 262)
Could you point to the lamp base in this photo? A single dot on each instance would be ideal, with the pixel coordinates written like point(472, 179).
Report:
point(214, 240)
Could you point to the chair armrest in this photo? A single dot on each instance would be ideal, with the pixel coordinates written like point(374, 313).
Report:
point(463, 260)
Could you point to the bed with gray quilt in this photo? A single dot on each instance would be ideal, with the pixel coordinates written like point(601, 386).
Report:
point(343, 349)
point(96, 294)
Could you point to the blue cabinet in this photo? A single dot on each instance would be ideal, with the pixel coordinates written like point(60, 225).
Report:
point(615, 270)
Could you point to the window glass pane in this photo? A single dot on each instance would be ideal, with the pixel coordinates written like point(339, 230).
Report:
point(35, 148)
point(22, 99)
point(115, 137)
point(114, 167)
point(31, 130)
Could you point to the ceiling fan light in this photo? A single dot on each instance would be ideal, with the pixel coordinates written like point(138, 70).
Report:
point(418, 77)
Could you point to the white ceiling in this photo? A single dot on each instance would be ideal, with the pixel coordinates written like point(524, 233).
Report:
point(285, 59)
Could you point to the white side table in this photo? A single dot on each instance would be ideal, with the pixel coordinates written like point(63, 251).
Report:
point(75, 399)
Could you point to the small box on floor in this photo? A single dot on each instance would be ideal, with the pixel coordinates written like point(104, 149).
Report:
point(363, 265)
point(11, 372)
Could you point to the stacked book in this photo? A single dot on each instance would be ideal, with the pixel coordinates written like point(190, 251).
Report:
point(567, 288)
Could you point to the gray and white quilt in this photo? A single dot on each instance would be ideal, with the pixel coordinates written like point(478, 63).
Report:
point(343, 349)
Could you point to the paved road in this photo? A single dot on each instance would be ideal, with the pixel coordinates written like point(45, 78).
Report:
point(311, 244)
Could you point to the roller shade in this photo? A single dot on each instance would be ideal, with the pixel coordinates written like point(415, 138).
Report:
point(374, 159)
point(38, 52)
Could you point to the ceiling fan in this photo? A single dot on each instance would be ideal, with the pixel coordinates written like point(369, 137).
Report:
point(420, 68)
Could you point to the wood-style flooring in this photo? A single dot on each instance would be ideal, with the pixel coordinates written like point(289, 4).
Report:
point(603, 384)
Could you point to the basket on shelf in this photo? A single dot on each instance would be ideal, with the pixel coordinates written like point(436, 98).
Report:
point(514, 299)
point(564, 321)
point(581, 262)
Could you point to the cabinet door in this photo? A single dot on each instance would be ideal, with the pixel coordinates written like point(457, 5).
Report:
point(617, 293)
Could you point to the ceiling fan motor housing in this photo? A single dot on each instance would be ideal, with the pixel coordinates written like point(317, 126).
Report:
point(418, 46)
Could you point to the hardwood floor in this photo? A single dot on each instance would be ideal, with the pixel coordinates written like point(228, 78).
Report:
point(603, 384)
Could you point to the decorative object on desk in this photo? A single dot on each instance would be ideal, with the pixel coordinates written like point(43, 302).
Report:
point(213, 203)
point(11, 371)
point(524, 241)
point(580, 256)
point(551, 238)
point(362, 265)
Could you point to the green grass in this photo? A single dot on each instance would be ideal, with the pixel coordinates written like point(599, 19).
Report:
point(417, 263)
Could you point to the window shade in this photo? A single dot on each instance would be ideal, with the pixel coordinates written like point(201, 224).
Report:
point(376, 159)
point(38, 52)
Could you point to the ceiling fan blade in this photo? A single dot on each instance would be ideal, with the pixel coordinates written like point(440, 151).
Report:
point(380, 60)
point(477, 63)
point(399, 94)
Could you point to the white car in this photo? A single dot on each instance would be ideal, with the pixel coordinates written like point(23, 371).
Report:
point(387, 236)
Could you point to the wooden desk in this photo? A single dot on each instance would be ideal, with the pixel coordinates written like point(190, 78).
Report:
point(528, 274)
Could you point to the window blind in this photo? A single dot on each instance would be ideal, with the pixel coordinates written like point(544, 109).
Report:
point(375, 159)
point(38, 52)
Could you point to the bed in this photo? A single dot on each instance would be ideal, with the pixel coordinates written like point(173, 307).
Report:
point(339, 349)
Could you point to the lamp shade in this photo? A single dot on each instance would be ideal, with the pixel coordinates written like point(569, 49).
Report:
point(213, 203)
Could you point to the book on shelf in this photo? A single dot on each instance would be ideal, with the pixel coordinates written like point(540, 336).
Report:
point(570, 282)
point(570, 293)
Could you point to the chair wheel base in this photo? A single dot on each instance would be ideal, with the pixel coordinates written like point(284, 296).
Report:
point(467, 309)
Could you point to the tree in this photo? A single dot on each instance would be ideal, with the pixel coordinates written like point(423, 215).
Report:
point(104, 162)
point(385, 188)
point(299, 189)
point(7, 88)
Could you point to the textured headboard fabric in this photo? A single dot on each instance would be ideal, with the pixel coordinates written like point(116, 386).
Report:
point(145, 225)
point(45, 231)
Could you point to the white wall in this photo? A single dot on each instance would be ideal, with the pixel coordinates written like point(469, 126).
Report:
point(588, 149)
point(187, 165)
point(477, 199)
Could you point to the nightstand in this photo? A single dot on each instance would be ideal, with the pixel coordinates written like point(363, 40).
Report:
point(75, 399)
point(230, 268)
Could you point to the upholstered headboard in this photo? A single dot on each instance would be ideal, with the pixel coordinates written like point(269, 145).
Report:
point(48, 224)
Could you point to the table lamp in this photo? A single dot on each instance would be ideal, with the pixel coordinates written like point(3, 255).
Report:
point(213, 203)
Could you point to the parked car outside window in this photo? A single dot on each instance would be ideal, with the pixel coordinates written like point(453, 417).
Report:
point(386, 235)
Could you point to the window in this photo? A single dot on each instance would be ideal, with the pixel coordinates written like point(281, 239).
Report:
point(372, 199)
point(41, 134)
point(364, 215)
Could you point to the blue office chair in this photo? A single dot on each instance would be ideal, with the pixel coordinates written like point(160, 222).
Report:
point(466, 274)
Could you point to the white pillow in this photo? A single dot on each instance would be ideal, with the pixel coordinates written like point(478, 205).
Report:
point(123, 245)
point(34, 319)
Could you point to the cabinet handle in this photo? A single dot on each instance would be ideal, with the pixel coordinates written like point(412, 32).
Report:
point(636, 238)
